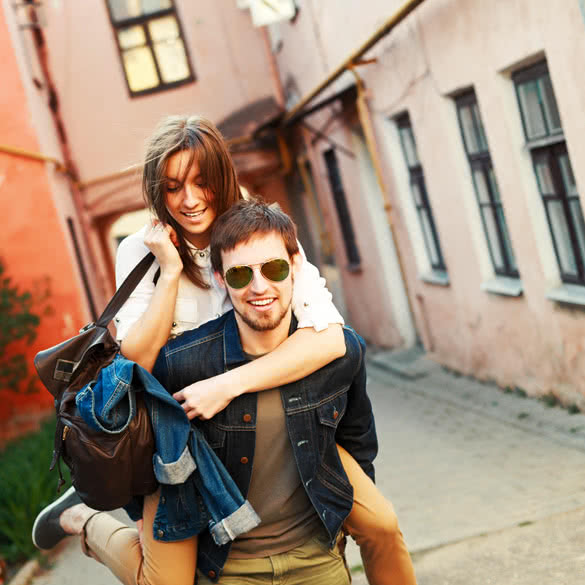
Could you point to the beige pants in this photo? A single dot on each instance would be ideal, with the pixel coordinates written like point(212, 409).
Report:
point(372, 523)
point(312, 562)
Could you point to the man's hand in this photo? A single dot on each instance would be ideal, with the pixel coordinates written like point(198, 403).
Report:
point(206, 398)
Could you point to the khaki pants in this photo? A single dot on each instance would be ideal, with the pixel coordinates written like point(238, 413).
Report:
point(312, 562)
point(372, 523)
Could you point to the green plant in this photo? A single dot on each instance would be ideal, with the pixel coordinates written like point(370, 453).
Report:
point(26, 487)
point(17, 323)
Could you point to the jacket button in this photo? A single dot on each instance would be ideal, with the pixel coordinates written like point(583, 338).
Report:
point(211, 574)
point(335, 414)
point(163, 500)
point(244, 460)
point(160, 533)
point(174, 323)
point(247, 417)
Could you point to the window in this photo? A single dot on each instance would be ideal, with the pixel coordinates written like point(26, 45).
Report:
point(486, 187)
point(554, 175)
point(151, 44)
point(351, 248)
point(419, 193)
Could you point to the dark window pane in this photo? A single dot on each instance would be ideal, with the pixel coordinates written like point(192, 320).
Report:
point(550, 104)
point(531, 111)
point(492, 235)
point(341, 207)
point(482, 140)
point(544, 177)
point(429, 237)
point(507, 242)
point(123, 9)
point(470, 138)
point(577, 215)
point(481, 186)
point(494, 185)
point(409, 146)
point(567, 174)
point(560, 232)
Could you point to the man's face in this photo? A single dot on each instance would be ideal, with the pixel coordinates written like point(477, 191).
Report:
point(262, 304)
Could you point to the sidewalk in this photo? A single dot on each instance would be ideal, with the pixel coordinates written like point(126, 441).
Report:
point(488, 487)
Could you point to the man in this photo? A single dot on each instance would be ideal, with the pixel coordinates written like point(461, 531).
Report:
point(278, 445)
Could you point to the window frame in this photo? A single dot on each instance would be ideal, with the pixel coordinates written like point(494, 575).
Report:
point(142, 20)
point(551, 148)
point(481, 161)
point(416, 177)
point(342, 208)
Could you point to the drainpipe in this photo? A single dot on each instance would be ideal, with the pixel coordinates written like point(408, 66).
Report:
point(68, 162)
point(379, 34)
point(368, 130)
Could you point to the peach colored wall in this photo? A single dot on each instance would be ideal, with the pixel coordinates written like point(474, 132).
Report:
point(443, 47)
point(106, 127)
point(32, 242)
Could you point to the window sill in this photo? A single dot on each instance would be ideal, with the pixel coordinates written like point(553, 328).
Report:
point(503, 285)
point(571, 294)
point(439, 277)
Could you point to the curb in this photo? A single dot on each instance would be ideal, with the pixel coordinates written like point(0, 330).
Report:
point(25, 573)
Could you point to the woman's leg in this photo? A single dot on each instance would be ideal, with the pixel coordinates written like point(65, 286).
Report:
point(154, 563)
point(372, 523)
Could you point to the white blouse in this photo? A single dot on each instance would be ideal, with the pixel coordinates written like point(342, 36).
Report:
point(311, 300)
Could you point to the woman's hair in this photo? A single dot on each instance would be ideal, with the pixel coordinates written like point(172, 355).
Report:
point(206, 145)
point(247, 219)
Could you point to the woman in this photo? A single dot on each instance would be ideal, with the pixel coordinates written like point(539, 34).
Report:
point(189, 180)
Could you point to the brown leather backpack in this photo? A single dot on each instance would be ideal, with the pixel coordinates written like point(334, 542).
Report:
point(107, 469)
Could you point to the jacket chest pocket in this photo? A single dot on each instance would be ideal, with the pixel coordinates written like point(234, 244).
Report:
point(214, 436)
point(328, 417)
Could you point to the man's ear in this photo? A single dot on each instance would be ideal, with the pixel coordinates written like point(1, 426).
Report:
point(296, 261)
point(219, 279)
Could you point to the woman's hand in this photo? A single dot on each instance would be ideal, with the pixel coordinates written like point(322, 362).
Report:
point(206, 398)
point(162, 241)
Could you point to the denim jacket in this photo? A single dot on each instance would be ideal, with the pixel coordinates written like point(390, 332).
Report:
point(328, 406)
point(196, 490)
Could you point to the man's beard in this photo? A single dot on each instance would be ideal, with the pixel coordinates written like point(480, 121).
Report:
point(264, 323)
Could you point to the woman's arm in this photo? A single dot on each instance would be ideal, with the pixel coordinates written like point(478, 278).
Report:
point(144, 339)
point(318, 341)
point(299, 355)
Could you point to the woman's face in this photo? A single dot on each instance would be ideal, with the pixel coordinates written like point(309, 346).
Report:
point(188, 202)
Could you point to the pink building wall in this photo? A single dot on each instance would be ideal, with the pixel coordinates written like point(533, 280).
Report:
point(443, 47)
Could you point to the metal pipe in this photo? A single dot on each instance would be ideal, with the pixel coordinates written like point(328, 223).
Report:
point(371, 145)
point(395, 19)
point(22, 152)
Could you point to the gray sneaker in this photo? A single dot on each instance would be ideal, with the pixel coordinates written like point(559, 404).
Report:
point(47, 531)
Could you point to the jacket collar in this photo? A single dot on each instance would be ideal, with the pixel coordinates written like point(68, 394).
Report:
point(234, 354)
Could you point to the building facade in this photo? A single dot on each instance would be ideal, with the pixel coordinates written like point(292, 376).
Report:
point(476, 110)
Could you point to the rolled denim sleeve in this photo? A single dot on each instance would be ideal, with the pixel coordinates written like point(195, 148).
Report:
point(312, 302)
point(356, 431)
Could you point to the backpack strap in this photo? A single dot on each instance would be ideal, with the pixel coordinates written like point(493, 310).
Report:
point(125, 290)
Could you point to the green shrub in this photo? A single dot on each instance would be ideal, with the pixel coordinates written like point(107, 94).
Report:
point(26, 487)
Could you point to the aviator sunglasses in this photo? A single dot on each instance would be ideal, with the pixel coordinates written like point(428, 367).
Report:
point(241, 276)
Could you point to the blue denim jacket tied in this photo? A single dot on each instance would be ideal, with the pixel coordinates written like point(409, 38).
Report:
point(331, 405)
point(196, 490)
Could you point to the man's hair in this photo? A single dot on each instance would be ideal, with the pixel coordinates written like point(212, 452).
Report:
point(246, 219)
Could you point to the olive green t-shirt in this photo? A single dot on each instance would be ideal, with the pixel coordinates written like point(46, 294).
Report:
point(288, 518)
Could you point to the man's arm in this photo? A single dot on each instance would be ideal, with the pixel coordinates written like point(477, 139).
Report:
point(356, 431)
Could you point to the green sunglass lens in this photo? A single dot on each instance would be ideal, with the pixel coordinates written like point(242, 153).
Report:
point(275, 270)
point(238, 276)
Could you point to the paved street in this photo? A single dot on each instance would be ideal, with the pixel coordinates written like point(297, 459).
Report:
point(489, 487)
